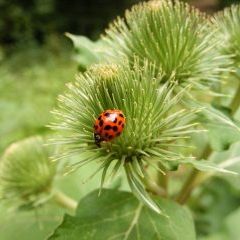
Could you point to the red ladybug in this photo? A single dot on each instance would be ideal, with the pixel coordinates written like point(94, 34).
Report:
point(108, 125)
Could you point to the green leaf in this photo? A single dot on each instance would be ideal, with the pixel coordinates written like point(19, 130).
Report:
point(229, 229)
point(212, 204)
point(87, 52)
point(217, 236)
point(213, 114)
point(29, 225)
point(222, 129)
point(118, 215)
point(231, 225)
point(230, 160)
point(222, 136)
point(208, 166)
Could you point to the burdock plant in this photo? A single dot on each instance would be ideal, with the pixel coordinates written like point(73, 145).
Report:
point(174, 36)
point(153, 123)
point(26, 172)
point(27, 175)
point(154, 57)
point(227, 22)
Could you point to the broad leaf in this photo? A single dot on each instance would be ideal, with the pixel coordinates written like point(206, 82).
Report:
point(229, 229)
point(212, 204)
point(229, 160)
point(231, 225)
point(222, 129)
point(29, 225)
point(209, 166)
point(222, 136)
point(117, 215)
point(217, 236)
point(216, 116)
point(87, 52)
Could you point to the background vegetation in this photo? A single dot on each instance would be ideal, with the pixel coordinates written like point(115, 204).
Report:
point(36, 61)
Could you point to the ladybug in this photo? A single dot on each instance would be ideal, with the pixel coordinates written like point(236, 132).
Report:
point(108, 125)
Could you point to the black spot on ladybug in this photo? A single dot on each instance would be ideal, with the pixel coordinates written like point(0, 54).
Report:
point(106, 114)
point(115, 120)
point(115, 128)
point(118, 134)
point(101, 123)
point(100, 117)
point(120, 122)
point(110, 136)
point(106, 135)
point(121, 115)
point(95, 127)
point(123, 125)
point(108, 127)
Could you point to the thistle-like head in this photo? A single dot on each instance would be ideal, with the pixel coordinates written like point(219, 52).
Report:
point(174, 36)
point(153, 126)
point(26, 173)
point(228, 22)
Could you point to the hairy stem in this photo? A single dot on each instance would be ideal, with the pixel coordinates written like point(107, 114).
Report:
point(64, 201)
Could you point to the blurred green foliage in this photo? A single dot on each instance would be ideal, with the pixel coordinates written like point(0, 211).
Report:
point(33, 76)
point(30, 81)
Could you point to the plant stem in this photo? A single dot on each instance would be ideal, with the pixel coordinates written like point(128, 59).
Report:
point(197, 177)
point(163, 180)
point(234, 105)
point(156, 189)
point(65, 201)
point(193, 179)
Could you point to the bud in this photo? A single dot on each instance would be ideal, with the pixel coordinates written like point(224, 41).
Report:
point(153, 123)
point(26, 173)
point(174, 36)
point(228, 22)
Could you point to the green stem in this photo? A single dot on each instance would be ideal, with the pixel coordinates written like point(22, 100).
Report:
point(234, 105)
point(197, 177)
point(155, 189)
point(64, 201)
point(194, 179)
point(163, 180)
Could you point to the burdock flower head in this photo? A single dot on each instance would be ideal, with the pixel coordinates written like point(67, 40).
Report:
point(153, 124)
point(26, 173)
point(228, 22)
point(174, 36)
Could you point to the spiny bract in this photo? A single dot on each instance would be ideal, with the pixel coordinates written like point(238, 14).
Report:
point(228, 24)
point(152, 123)
point(174, 36)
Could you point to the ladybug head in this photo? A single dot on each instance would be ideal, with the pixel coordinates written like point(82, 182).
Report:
point(97, 139)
